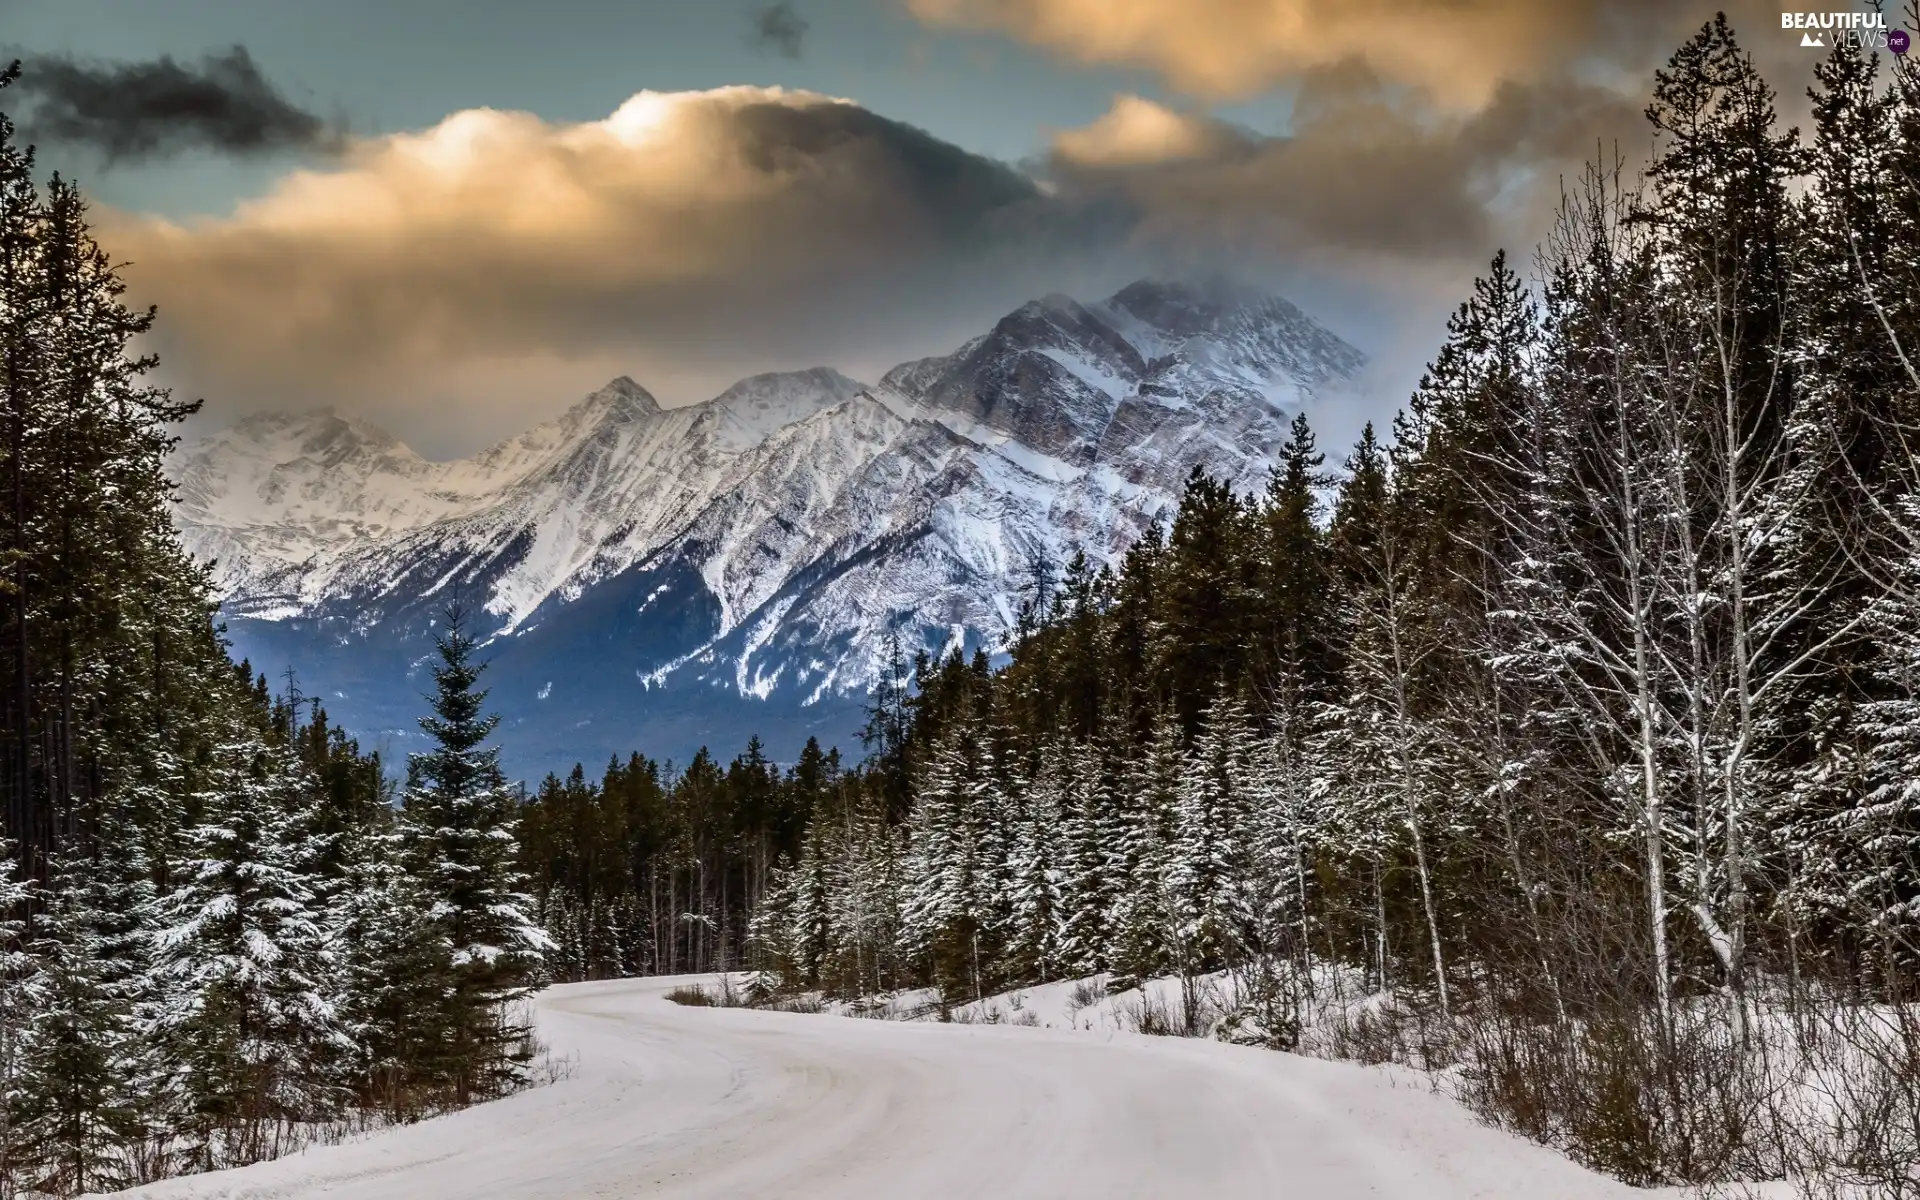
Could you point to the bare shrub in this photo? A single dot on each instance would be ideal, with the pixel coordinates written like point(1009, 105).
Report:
point(1846, 1125)
point(1620, 1091)
point(693, 996)
point(1196, 1009)
point(1271, 998)
point(1087, 993)
point(1365, 1035)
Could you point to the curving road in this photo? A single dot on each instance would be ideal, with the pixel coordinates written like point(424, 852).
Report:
point(690, 1102)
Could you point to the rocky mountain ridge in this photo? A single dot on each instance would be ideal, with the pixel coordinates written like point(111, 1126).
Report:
point(749, 558)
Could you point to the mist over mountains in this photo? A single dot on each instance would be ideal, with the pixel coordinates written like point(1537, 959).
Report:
point(662, 579)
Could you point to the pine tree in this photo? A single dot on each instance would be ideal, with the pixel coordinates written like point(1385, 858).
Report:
point(866, 917)
point(1210, 860)
point(1837, 737)
point(244, 1028)
point(1034, 944)
point(1386, 743)
point(388, 977)
point(954, 919)
point(78, 1102)
point(1296, 583)
point(810, 913)
point(939, 854)
point(1145, 920)
point(16, 977)
point(1203, 594)
point(1087, 887)
point(1283, 830)
point(460, 849)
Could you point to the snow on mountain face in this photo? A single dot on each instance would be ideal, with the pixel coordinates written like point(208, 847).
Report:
point(276, 495)
point(763, 544)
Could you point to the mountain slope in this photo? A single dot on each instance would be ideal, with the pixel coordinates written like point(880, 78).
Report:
point(662, 578)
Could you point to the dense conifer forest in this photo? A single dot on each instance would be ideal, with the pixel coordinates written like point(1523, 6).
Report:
point(219, 936)
point(1566, 735)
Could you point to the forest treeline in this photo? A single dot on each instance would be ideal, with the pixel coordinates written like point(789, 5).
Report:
point(656, 871)
point(1573, 730)
point(219, 935)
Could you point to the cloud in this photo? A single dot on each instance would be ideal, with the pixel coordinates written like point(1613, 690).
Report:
point(778, 28)
point(1358, 178)
point(144, 110)
point(497, 263)
point(1225, 48)
point(1138, 132)
point(686, 237)
point(1457, 52)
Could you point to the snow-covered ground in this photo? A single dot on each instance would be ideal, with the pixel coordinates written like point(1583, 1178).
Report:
point(717, 1102)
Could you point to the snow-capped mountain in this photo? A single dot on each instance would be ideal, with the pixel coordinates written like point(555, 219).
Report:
point(662, 578)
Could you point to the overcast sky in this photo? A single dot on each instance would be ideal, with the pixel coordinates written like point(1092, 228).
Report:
point(455, 217)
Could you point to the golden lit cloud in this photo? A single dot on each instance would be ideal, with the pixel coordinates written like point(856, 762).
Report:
point(1136, 132)
point(1457, 50)
point(686, 234)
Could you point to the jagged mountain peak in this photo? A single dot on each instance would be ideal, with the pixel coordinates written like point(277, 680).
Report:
point(621, 401)
point(1052, 319)
point(747, 413)
point(1231, 331)
point(759, 544)
point(623, 398)
point(1055, 375)
point(599, 416)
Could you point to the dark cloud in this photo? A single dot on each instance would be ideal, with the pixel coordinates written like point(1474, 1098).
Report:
point(146, 110)
point(1360, 175)
point(778, 28)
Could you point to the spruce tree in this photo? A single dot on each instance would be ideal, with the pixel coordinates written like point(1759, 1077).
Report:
point(16, 977)
point(79, 1102)
point(1837, 738)
point(1087, 888)
point(1145, 918)
point(1295, 583)
point(388, 973)
point(245, 1030)
point(1208, 867)
point(460, 822)
point(1033, 950)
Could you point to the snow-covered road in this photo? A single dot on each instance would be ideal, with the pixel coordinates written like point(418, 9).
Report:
point(699, 1102)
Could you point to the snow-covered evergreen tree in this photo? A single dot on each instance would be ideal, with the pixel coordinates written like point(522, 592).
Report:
point(1284, 826)
point(1211, 856)
point(1086, 844)
point(459, 849)
point(952, 917)
point(809, 886)
point(80, 1103)
point(1144, 919)
point(16, 976)
point(1034, 944)
point(246, 1033)
point(389, 976)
